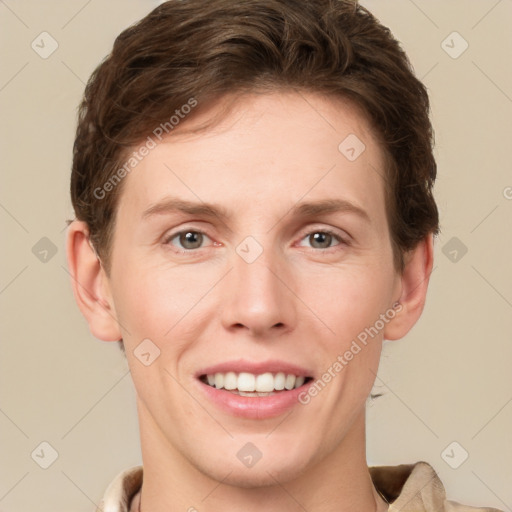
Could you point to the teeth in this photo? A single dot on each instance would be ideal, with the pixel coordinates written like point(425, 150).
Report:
point(279, 381)
point(265, 383)
point(289, 382)
point(243, 393)
point(230, 380)
point(248, 384)
point(219, 380)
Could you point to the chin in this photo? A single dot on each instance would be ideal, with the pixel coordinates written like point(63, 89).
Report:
point(272, 467)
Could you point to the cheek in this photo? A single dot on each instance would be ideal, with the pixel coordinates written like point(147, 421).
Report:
point(348, 300)
point(153, 301)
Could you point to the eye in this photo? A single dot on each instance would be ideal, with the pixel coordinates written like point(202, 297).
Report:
point(193, 239)
point(322, 239)
point(189, 239)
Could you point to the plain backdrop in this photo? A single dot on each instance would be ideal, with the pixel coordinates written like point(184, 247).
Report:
point(447, 386)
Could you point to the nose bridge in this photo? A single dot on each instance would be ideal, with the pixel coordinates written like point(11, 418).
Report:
point(258, 297)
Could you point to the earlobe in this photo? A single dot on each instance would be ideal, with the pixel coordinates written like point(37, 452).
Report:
point(90, 284)
point(414, 283)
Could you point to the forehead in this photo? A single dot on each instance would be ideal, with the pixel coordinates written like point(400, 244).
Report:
point(266, 151)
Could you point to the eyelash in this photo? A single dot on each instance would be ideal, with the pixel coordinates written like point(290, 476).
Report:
point(342, 241)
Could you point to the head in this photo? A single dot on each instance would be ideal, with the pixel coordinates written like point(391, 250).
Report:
point(251, 110)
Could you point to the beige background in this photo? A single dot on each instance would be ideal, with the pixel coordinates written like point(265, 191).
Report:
point(449, 380)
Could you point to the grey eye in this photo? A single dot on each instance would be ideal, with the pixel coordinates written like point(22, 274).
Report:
point(319, 240)
point(189, 239)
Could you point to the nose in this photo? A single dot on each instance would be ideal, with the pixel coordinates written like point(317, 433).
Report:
point(259, 298)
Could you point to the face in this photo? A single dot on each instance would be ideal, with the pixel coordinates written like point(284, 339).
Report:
point(252, 256)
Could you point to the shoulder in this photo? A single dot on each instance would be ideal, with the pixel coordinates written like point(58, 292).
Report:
point(119, 493)
point(416, 488)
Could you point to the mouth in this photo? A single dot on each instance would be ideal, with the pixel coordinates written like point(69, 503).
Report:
point(254, 390)
point(254, 385)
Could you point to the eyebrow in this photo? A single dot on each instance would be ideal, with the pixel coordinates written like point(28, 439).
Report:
point(305, 209)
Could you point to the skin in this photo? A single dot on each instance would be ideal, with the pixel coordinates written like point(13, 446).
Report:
point(301, 301)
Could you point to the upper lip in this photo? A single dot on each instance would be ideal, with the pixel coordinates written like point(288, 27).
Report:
point(256, 368)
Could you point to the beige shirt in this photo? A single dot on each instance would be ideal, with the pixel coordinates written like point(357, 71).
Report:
point(407, 488)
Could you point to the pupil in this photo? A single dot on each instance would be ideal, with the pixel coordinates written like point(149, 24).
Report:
point(191, 238)
point(321, 238)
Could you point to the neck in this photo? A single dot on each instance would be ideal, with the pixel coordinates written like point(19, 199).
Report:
point(339, 482)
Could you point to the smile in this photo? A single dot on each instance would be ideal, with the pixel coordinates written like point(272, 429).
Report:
point(254, 390)
point(249, 384)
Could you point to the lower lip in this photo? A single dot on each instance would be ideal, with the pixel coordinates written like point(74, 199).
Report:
point(258, 407)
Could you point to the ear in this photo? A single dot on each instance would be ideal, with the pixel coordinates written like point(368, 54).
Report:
point(414, 284)
point(91, 286)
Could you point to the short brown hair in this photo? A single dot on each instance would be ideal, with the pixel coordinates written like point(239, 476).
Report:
point(202, 50)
